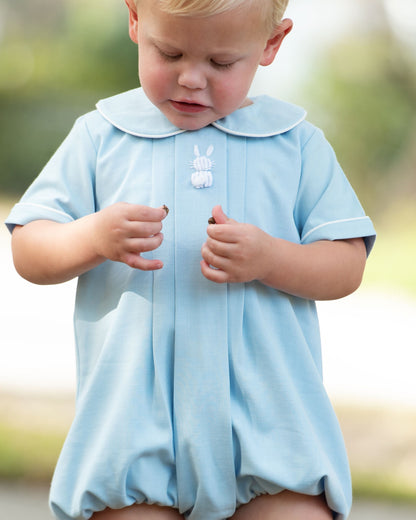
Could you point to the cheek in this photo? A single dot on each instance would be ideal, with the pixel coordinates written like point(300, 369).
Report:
point(153, 78)
point(233, 90)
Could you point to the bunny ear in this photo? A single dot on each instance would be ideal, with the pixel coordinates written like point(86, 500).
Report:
point(210, 150)
point(196, 151)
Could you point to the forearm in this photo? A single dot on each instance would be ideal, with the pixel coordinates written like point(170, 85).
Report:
point(324, 270)
point(46, 252)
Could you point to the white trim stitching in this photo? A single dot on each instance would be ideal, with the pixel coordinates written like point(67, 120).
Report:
point(331, 223)
point(44, 207)
point(267, 134)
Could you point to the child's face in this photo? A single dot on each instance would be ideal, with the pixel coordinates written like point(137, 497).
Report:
point(198, 70)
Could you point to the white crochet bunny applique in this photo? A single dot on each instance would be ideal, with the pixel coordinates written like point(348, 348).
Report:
point(202, 164)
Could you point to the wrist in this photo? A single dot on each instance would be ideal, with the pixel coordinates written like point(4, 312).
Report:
point(270, 265)
point(282, 262)
point(86, 230)
point(93, 237)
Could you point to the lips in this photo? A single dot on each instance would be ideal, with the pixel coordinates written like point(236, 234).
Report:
point(188, 107)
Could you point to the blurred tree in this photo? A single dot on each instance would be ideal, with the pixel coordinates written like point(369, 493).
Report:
point(364, 95)
point(56, 60)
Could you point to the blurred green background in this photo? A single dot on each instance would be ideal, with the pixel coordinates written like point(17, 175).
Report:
point(57, 58)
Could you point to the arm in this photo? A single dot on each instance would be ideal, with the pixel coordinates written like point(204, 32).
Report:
point(323, 270)
point(47, 252)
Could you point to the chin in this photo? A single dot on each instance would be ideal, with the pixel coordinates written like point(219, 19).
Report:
point(192, 125)
point(188, 123)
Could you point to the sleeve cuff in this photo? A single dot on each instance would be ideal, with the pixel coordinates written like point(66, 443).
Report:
point(342, 230)
point(23, 213)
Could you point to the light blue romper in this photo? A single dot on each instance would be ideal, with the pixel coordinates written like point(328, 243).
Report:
point(193, 394)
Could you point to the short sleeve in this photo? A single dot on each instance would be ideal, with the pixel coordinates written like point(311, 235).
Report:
point(327, 207)
point(64, 190)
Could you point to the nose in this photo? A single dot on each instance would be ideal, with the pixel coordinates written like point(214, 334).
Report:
point(192, 77)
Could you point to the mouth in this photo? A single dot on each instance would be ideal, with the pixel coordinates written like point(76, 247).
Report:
point(188, 107)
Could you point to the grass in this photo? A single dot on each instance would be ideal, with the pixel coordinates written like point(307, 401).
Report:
point(28, 455)
point(32, 431)
point(383, 487)
point(381, 450)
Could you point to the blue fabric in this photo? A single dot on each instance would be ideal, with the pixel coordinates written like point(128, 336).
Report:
point(191, 394)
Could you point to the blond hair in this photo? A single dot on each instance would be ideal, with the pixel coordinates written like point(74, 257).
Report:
point(273, 9)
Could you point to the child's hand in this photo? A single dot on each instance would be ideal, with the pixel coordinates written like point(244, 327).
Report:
point(234, 252)
point(123, 231)
point(322, 270)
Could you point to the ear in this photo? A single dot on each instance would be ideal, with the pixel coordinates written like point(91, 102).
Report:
point(275, 41)
point(133, 20)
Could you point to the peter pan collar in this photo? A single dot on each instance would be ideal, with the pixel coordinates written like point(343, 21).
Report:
point(133, 113)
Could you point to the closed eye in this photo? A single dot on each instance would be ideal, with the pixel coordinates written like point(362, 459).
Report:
point(168, 56)
point(219, 65)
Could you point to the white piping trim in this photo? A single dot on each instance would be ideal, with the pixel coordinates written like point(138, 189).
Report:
point(44, 207)
point(333, 222)
point(268, 134)
point(215, 124)
point(136, 134)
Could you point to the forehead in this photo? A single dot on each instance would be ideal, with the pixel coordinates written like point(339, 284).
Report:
point(208, 8)
point(229, 32)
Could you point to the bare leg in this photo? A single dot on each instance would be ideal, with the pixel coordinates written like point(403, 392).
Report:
point(139, 512)
point(284, 506)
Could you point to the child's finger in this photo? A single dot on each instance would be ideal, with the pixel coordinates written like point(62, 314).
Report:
point(219, 248)
point(133, 257)
point(218, 215)
point(144, 229)
point(144, 264)
point(224, 233)
point(140, 213)
point(143, 245)
point(214, 275)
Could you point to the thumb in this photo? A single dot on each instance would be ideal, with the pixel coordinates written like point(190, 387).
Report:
point(219, 216)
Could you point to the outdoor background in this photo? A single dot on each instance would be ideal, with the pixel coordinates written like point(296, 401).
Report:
point(352, 65)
